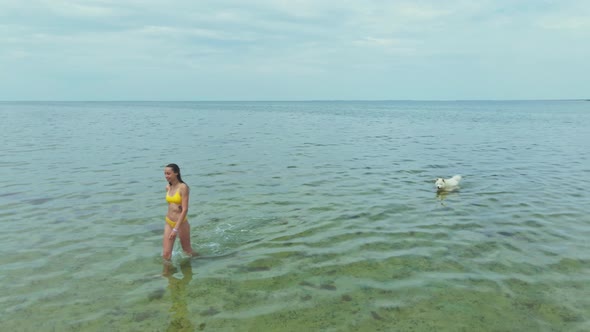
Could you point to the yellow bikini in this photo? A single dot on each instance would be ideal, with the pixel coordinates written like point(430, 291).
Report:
point(173, 223)
point(174, 199)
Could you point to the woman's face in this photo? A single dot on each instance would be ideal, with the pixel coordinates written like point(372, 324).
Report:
point(169, 174)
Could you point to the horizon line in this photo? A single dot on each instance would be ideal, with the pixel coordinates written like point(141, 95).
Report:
point(278, 100)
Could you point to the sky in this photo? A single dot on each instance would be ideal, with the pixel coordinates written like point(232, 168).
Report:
point(294, 50)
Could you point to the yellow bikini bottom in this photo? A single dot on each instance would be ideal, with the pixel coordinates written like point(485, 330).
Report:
point(172, 223)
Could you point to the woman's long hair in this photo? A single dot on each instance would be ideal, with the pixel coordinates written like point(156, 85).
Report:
point(176, 171)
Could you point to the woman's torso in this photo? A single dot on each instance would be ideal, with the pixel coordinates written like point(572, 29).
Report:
point(174, 200)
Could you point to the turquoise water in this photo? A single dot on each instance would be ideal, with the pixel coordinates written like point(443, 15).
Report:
point(309, 216)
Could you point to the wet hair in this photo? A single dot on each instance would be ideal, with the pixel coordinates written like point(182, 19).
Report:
point(176, 171)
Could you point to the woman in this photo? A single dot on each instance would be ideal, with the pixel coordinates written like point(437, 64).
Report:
point(177, 195)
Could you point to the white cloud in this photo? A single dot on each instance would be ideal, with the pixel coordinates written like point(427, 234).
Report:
point(15, 54)
point(176, 32)
point(412, 11)
point(299, 39)
point(389, 45)
point(571, 23)
point(73, 8)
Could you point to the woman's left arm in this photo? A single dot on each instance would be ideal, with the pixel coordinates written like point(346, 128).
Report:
point(184, 192)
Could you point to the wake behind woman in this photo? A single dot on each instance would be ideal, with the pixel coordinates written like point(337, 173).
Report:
point(177, 196)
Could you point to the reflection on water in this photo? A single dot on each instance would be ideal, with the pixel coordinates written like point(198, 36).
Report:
point(178, 280)
point(442, 195)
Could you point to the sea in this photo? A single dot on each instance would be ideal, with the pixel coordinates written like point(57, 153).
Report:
point(306, 215)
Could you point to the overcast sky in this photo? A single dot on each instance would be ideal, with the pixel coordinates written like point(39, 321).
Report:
point(294, 49)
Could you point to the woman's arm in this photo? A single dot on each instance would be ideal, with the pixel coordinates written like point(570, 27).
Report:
point(184, 192)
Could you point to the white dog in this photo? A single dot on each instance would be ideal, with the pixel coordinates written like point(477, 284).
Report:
point(448, 184)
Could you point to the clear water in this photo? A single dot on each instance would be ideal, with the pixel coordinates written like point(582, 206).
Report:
point(309, 216)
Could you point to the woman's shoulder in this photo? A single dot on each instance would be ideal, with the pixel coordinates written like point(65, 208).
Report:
point(184, 187)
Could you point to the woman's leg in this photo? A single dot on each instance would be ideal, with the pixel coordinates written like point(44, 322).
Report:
point(184, 233)
point(167, 244)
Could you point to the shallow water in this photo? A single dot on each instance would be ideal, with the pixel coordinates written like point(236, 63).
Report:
point(309, 216)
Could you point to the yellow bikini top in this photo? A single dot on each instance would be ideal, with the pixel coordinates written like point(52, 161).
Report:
point(175, 199)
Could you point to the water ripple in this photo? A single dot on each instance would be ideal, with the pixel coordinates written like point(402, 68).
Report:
point(307, 216)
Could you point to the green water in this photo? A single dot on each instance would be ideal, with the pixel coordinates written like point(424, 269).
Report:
point(309, 216)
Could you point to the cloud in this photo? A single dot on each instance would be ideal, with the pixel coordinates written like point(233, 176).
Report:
point(305, 42)
point(391, 46)
point(419, 12)
point(80, 9)
point(571, 23)
point(176, 32)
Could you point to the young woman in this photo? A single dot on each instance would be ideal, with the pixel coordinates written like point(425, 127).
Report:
point(177, 195)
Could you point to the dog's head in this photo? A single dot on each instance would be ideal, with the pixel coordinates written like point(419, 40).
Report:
point(440, 183)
